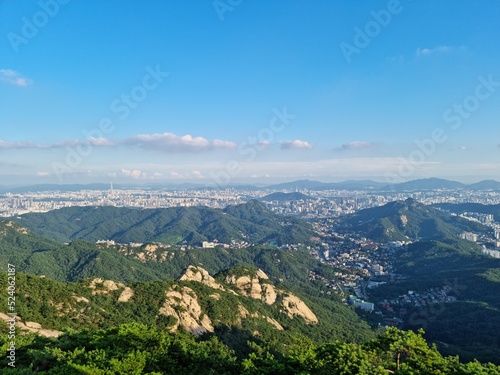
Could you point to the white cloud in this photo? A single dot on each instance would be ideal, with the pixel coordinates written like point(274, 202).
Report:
point(134, 173)
point(14, 78)
point(167, 142)
point(170, 142)
point(9, 145)
point(60, 144)
point(197, 174)
point(100, 141)
point(423, 52)
point(42, 174)
point(217, 143)
point(263, 144)
point(295, 145)
point(356, 145)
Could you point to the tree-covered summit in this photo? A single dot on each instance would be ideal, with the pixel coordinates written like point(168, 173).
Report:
point(251, 222)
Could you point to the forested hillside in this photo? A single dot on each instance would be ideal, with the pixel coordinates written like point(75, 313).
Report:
point(251, 222)
point(468, 326)
point(141, 349)
point(407, 220)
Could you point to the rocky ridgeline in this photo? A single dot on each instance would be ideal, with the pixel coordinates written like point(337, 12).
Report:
point(256, 286)
point(184, 302)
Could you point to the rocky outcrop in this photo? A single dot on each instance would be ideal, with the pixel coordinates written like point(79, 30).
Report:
point(81, 299)
point(255, 285)
point(278, 326)
point(127, 293)
point(242, 312)
point(293, 306)
point(258, 287)
point(17, 227)
point(269, 294)
point(101, 286)
point(10, 224)
point(261, 275)
point(183, 305)
point(247, 285)
point(31, 327)
point(150, 247)
point(201, 275)
point(404, 220)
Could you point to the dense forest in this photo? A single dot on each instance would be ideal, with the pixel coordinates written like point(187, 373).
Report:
point(251, 222)
point(141, 349)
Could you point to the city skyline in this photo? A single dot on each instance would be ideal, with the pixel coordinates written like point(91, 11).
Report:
point(154, 92)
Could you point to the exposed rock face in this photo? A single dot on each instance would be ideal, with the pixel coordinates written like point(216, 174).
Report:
point(184, 306)
point(242, 311)
point(269, 294)
point(404, 220)
point(262, 275)
point(278, 326)
point(253, 287)
point(101, 286)
point(127, 293)
point(201, 275)
point(32, 327)
point(81, 299)
point(17, 227)
point(295, 306)
point(150, 247)
point(250, 287)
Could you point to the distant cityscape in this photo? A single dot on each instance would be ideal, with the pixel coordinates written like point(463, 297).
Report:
point(312, 204)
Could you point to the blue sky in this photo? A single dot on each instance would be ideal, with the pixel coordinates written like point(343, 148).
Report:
point(232, 91)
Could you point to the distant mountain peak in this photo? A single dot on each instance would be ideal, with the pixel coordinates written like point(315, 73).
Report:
point(408, 219)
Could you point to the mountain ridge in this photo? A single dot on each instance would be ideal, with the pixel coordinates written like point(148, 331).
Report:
point(251, 222)
point(407, 220)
